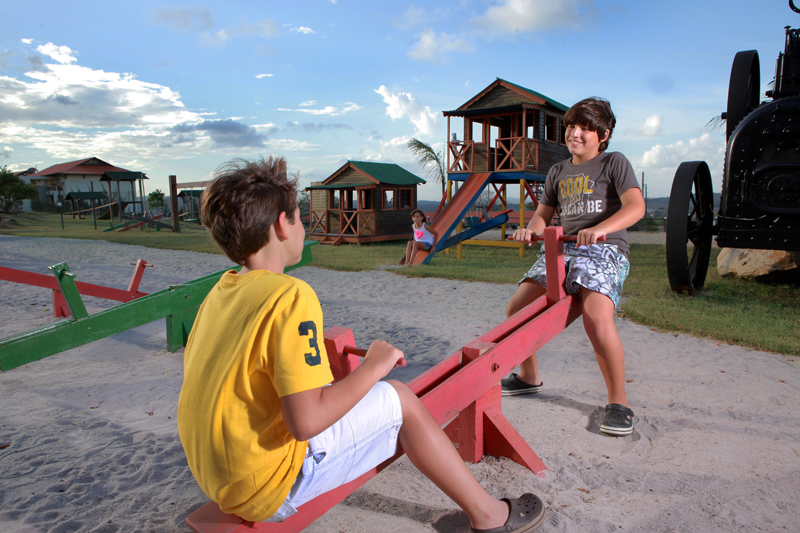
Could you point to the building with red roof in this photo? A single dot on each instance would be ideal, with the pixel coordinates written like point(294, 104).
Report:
point(85, 176)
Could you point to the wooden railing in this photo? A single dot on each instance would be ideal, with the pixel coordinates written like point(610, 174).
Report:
point(516, 154)
point(462, 154)
point(351, 222)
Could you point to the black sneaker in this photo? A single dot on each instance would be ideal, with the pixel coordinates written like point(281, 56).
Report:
point(618, 421)
point(512, 385)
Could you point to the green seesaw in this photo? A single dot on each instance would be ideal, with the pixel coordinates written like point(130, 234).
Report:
point(178, 304)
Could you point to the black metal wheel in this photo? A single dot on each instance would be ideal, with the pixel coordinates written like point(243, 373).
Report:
point(744, 89)
point(690, 218)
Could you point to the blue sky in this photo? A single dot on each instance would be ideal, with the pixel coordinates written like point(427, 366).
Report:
point(179, 88)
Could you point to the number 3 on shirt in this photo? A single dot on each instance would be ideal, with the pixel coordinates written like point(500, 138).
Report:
point(305, 328)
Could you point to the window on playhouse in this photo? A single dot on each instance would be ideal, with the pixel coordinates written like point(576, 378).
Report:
point(550, 123)
point(333, 199)
point(532, 125)
point(476, 129)
point(405, 198)
point(388, 199)
point(563, 135)
point(348, 198)
point(365, 198)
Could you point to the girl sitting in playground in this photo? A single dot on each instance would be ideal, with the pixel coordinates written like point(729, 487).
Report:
point(424, 237)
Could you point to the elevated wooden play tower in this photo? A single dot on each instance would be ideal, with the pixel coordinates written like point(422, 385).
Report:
point(510, 135)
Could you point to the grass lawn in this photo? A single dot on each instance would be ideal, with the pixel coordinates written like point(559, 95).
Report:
point(763, 315)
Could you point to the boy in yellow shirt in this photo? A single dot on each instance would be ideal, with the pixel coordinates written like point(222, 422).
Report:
point(263, 427)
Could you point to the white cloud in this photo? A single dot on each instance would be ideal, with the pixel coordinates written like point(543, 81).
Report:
point(62, 54)
point(201, 21)
point(403, 104)
point(190, 19)
point(704, 147)
point(261, 28)
point(26, 41)
point(413, 17)
point(6, 152)
point(214, 40)
point(651, 126)
point(432, 47)
point(660, 162)
point(307, 103)
point(519, 16)
point(327, 110)
point(261, 76)
point(303, 29)
point(68, 111)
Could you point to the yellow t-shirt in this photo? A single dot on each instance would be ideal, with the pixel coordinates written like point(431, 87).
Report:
point(256, 338)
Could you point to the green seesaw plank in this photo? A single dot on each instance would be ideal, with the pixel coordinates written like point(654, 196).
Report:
point(177, 300)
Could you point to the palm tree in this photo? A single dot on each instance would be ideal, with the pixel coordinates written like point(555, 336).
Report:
point(429, 159)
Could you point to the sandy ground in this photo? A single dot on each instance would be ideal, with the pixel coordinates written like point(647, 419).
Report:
point(88, 440)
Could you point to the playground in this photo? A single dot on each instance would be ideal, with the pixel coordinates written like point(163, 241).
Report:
point(88, 440)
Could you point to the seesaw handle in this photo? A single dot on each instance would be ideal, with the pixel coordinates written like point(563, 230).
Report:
point(563, 238)
point(361, 352)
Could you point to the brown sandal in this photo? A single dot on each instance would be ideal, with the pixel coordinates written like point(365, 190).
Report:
point(525, 514)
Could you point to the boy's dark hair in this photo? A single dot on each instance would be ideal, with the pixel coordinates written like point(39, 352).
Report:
point(243, 201)
point(594, 114)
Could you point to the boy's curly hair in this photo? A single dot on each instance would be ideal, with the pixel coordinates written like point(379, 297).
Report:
point(243, 201)
point(595, 114)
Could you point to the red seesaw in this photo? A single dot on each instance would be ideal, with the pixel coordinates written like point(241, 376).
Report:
point(60, 307)
point(463, 392)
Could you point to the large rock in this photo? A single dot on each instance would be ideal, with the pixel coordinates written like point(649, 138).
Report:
point(746, 263)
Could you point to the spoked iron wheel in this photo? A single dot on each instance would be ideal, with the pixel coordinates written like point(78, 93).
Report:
point(690, 218)
point(744, 89)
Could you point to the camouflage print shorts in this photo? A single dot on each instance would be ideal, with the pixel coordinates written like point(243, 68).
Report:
point(598, 267)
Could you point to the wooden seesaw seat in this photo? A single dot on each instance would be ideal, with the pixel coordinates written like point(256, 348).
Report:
point(463, 391)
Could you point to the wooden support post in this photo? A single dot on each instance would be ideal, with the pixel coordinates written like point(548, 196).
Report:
point(554, 264)
point(505, 206)
point(69, 291)
point(522, 224)
point(449, 197)
point(173, 202)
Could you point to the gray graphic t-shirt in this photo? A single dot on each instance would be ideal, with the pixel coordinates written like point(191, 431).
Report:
point(589, 193)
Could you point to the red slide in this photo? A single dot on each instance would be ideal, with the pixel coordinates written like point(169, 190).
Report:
point(454, 211)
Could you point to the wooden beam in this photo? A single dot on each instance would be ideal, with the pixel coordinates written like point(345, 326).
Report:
point(191, 184)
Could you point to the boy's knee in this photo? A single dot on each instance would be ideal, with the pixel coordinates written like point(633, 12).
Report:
point(402, 389)
point(408, 400)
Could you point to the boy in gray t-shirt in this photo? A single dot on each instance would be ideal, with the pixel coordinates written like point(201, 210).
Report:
point(597, 195)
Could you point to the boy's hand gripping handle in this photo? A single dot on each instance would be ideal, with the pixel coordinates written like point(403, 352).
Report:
point(361, 352)
point(564, 238)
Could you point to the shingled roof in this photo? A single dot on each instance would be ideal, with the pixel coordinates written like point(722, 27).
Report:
point(91, 166)
point(502, 94)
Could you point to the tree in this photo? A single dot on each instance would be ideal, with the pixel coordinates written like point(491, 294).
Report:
point(429, 159)
point(13, 189)
point(304, 202)
point(156, 200)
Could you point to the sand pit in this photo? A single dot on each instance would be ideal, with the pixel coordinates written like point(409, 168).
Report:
point(88, 439)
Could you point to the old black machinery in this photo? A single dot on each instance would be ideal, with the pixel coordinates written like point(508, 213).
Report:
point(760, 200)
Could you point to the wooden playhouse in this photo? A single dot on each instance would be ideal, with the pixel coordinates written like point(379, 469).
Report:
point(363, 202)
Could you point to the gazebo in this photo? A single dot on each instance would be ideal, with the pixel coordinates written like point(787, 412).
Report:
point(132, 178)
point(75, 199)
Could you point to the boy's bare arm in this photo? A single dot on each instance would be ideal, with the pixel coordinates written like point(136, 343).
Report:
point(541, 219)
point(630, 213)
point(309, 413)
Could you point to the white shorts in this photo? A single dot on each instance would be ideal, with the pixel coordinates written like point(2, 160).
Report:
point(361, 440)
